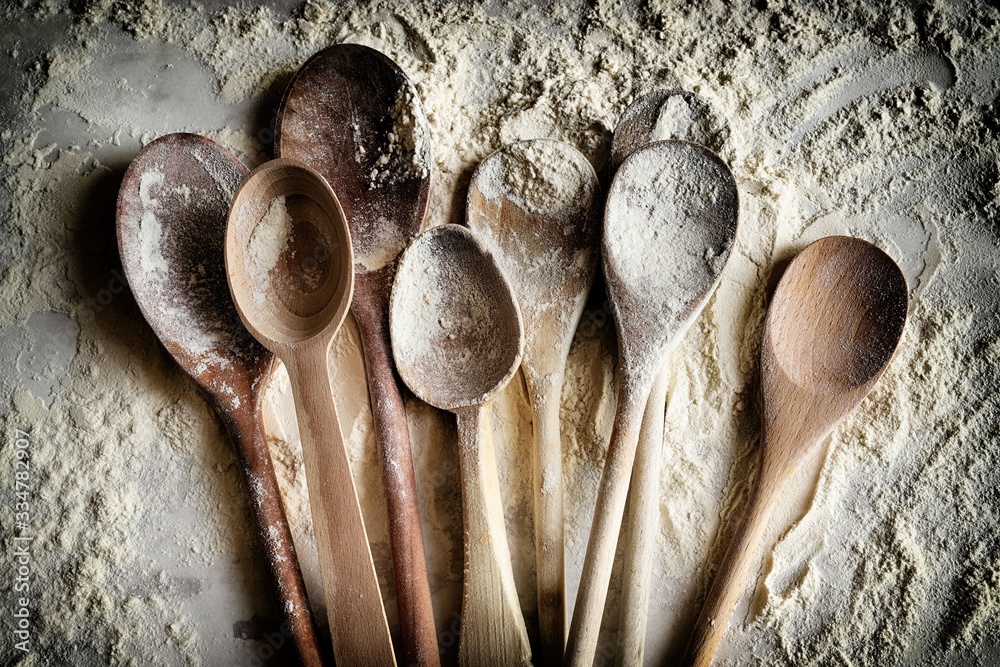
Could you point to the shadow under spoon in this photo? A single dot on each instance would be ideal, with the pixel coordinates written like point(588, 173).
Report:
point(171, 221)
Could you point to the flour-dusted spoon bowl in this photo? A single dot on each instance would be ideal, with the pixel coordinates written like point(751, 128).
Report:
point(352, 115)
point(171, 221)
point(537, 206)
point(290, 269)
point(833, 325)
point(669, 225)
point(457, 337)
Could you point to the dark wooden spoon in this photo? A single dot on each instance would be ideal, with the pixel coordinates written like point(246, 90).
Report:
point(171, 219)
point(346, 109)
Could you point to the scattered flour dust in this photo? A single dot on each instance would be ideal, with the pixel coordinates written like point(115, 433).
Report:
point(150, 230)
point(408, 147)
point(870, 120)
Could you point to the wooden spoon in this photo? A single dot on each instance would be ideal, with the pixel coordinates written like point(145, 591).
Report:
point(669, 225)
point(658, 116)
point(289, 262)
point(536, 206)
point(171, 223)
point(457, 337)
point(832, 327)
point(337, 116)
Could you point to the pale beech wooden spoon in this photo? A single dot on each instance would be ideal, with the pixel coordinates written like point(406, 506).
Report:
point(171, 221)
point(457, 337)
point(289, 262)
point(337, 116)
point(832, 327)
point(669, 225)
point(545, 234)
point(660, 115)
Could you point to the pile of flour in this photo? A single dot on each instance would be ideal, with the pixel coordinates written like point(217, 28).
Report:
point(867, 120)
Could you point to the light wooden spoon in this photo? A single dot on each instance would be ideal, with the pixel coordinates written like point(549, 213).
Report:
point(669, 225)
point(289, 262)
point(171, 221)
point(457, 337)
point(832, 327)
point(658, 116)
point(348, 107)
point(536, 206)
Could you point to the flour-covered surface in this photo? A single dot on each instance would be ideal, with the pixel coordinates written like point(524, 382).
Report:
point(867, 119)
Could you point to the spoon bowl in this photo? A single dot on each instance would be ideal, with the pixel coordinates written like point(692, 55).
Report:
point(351, 114)
point(837, 319)
point(671, 114)
point(833, 325)
point(289, 255)
point(456, 329)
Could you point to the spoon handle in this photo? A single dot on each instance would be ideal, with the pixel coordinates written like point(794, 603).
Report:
point(392, 436)
point(611, 493)
point(493, 630)
point(643, 504)
point(732, 573)
point(246, 430)
point(550, 570)
point(353, 600)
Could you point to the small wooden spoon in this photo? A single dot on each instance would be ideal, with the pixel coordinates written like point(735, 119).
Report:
point(669, 225)
point(658, 116)
point(832, 327)
point(457, 337)
point(290, 268)
point(348, 107)
point(171, 222)
point(536, 205)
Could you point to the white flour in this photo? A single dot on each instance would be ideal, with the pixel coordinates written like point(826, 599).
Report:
point(407, 153)
point(668, 230)
point(543, 177)
point(268, 240)
point(451, 327)
point(871, 120)
point(150, 231)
